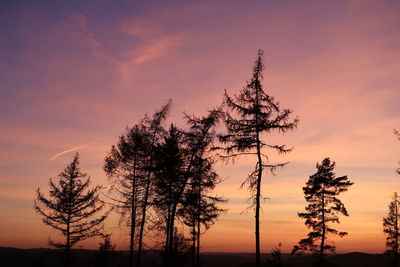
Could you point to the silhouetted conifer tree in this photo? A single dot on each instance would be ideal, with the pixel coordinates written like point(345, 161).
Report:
point(257, 113)
point(155, 131)
point(130, 169)
point(72, 207)
point(106, 251)
point(169, 178)
point(176, 163)
point(391, 224)
point(324, 208)
point(276, 254)
point(125, 167)
point(199, 208)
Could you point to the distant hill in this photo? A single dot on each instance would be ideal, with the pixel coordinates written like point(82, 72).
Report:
point(44, 257)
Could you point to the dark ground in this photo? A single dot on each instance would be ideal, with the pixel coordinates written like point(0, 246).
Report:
point(12, 257)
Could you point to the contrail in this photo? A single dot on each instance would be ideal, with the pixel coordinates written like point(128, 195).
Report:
point(74, 149)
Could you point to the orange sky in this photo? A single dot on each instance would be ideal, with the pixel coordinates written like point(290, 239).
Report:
point(74, 75)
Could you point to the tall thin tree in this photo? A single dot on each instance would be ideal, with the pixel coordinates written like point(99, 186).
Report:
point(125, 166)
point(72, 208)
point(257, 113)
point(178, 163)
point(199, 208)
point(169, 178)
point(324, 208)
point(155, 130)
point(391, 227)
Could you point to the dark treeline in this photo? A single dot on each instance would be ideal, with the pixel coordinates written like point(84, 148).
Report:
point(161, 179)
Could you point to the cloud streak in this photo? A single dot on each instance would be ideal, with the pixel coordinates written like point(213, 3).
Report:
point(74, 149)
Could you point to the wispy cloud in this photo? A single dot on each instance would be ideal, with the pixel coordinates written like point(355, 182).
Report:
point(74, 149)
point(77, 28)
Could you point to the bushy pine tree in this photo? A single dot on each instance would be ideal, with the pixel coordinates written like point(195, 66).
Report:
point(72, 208)
point(391, 227)
point(324, 208)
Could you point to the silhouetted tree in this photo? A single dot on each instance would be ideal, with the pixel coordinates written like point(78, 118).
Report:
point(169, 178)
point(72, 207)
point(321, 191)
point(391, 228)
point(155, 131)
point(176, 164)
point(106, 251)
point(257, 113)
point(276, 254)
point(125, 167)
point(200, 209)
point(130, 169)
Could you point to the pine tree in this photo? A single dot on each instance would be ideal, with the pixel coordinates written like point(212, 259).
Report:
point(324, 208)
point(257, 113)
point(72, 207)
point(391, 225)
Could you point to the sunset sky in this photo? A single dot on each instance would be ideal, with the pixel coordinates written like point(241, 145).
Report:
point(75, 74)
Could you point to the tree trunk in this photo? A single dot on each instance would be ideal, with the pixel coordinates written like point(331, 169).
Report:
point(143, 221)
point(171, 255)
point(193, 242)
point(259, 180)
point(145, 201)
point(68, 247)
point(257, 215)
point(198, 244)
point(321, 252)
point(396, 250)
point(133, 218)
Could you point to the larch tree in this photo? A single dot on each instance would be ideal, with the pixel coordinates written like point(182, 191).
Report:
point(125, 166)
point(169, 178)
point(254, 113)
point(154, 127)
point(391, 228)
point(324, 208)
point(199, 208)
point(129, 167)
point(73, 208)
point(177, 165)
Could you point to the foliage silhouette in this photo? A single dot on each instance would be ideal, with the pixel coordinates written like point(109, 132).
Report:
point(106, 251)
point(175, 168)
point(125, 167)
point(391, 228)
point(200, 209)
point(72, 207)
point(324, 207)
point(257, 113)
point(129, 167)
point(155, 130)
